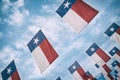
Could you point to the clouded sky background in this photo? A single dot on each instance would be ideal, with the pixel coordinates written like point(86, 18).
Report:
point(20, 20)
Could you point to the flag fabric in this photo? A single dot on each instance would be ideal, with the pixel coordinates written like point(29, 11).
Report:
point(115, 53)
point(114, 32)
point(98, 54)
point(101, 77)
point(116, 65)
point(42, 51)
point(77, 13)
point(10, 72)
point(115, 74)
point(58, 78)
point(105, 70)
point(78, 73)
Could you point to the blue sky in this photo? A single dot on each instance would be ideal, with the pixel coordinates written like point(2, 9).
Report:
point(20, 20)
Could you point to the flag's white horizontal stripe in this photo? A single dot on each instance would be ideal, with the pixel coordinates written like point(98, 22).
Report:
point(77, 76)
point(103, 70)
point(117, 68)
point(101, 63)
point(75, 20)
point(117, 57)
point(9, 78)
point(107, 78)
point(40, 59)
point(97, 59)
point(116, 37)
point(119, 74)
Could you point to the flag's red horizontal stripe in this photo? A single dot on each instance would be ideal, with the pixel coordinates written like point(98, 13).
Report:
point(84, 10)
point(83, 74)
point(107, 69)
point(118, 31)
point(118, 53)
point(119, 65)
point(48, 50)
point(103, 55)
point(81, 71)
point(15, 76)
point(110, 77)
point(87, 77)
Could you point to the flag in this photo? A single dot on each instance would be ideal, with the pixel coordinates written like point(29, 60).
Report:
point(115, 53)
point(42, 51)
point(58, 78)
point(115, 74)
point(78, 73)
point(114, 32)
point(77, 13)
point(101, 77)
point(105, 70)
point(10, 72)
point(98, 54)
point(116, 65)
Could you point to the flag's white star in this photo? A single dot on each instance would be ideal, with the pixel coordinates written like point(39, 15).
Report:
point(74, 67)
point(113, 51)
point(66, 5)
point(9, 70)
point(36, 40)
point(92, 49)
point(115, 63)
point(112, 29)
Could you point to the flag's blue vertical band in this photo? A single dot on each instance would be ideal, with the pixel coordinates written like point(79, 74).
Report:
point(113, 51)
point(58, 78)
point(62, 10)
point(71, 67)
point(6, 75)
point(88, 73)
point(95, 47)
point(115, 63)
point(31, 45)
point(97, 65)
point(115, 74)
point(101, 77)
point(109, 32)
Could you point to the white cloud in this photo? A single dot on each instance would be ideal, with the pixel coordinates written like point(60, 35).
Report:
point(50, 26)
point(15, 16)
point(34, 29)
point(18, 18)
point(48, 9)
point(20, 44)
point(6, 5)
point(19, 3)
point(8, 54)
point(96, 31)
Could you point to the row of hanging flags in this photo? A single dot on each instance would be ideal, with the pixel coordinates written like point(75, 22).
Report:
point(78, 14)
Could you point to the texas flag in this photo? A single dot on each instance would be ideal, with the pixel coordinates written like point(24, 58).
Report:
point(78, 73)
point(105, 70)
point(114, 32)
point(115, 53)
point(98, 54)
point(77, 13)
point(10, 72)
point(116, 65)
point(101, 77)
point(115, 74)
point(42, 51)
